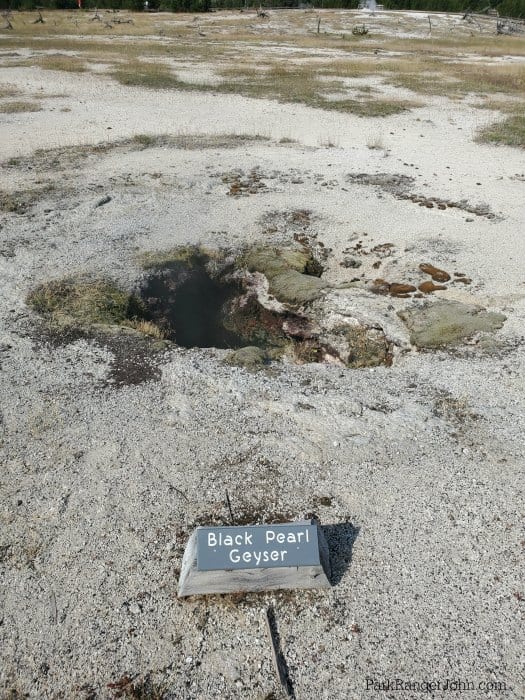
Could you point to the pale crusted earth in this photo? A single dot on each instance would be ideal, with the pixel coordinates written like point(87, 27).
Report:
point(415, 469)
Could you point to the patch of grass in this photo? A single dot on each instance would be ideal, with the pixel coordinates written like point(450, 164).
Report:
point(510, 132)
point(370, 108)
point(84, 301)
point(304, 85)
point(60, 62)
point(196, 142)
point(450, 79)
point(276, 81)
point(16, 107)
point(151, 260)
point(149, 75)
point(376, 144)
point(147, 328)
point(20, 201)
point(296, 84)
point(146, 141)
point(8, 91)
point(69, 156)
point(507, 106)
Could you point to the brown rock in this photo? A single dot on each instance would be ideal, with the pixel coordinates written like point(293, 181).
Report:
point(429, 287)
point(399, 288)
point(436, 274)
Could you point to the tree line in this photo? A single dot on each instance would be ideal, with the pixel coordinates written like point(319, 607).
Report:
point(506, 8)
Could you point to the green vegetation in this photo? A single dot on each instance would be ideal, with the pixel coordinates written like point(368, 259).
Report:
point(510, 132)
point(71, 64)
point(85, 301)
point(149, 75)
point(304, 84)
point(291, 272)
point(279, 82)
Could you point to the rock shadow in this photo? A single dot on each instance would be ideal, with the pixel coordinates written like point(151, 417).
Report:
point(340, 539)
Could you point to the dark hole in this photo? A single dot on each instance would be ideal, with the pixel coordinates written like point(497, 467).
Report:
point(189, 305)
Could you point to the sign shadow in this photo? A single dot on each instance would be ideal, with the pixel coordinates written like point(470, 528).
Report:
point(340, 539)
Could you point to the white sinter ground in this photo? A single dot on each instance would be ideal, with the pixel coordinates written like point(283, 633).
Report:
point(416, 469)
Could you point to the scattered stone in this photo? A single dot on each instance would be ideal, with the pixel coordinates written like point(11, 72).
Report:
point(104, 200)
point(350, 262)
point(399, 187)
point(389, 182)
point(447, 322)
point(239, 185)
point(383, 250)
point(436, 274)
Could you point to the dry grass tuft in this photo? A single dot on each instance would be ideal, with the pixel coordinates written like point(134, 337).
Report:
point(436, 75)
point(84, 301)
point(140, 688)
point(20, 106)
point(61, 62)
point(147, 328)
point(20, 201)
point(8, 91)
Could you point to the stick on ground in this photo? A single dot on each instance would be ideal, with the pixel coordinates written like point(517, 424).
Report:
point(281, 669)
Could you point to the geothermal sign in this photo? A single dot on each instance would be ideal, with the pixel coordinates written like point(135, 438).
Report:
point(255, 558)
point(258, 546)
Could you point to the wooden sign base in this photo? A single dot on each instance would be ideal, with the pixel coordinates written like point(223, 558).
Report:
point(196, 582)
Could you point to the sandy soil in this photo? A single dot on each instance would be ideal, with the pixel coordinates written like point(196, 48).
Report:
point(417, 468)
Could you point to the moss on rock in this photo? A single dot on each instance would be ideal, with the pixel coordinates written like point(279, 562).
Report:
point(286, 270)
point(448, 322)
point(250, 357)
point(367, 347)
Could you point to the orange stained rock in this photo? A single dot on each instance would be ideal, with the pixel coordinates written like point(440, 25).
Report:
point(436, 274)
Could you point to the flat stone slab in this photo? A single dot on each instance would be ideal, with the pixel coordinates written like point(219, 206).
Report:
point(448, 322)
point(255, 558)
